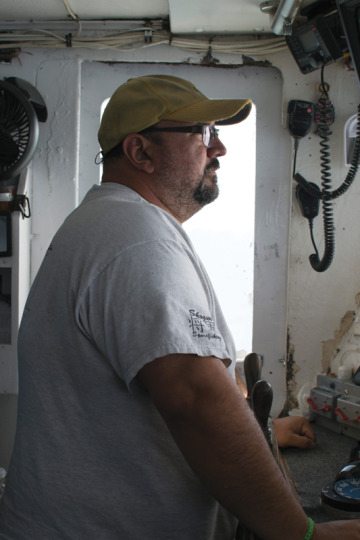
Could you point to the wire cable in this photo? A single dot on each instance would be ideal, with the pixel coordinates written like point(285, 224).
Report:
point(70, 11)
point(311, 228)
point(324, 117)
point(310, 192)
point(132, 38)
point(296, 147)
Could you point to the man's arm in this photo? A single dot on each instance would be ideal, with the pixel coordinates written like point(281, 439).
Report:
point(222, 442)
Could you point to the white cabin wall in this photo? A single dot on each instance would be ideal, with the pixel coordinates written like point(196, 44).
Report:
point(317, 302)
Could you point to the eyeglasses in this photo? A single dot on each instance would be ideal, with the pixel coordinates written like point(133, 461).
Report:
point(209, 133)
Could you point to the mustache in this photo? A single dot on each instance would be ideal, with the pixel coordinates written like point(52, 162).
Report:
point(214, 165)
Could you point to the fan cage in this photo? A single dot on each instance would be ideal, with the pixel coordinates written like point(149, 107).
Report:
point(18, 130)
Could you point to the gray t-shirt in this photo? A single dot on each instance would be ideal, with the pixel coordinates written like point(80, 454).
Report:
point(119, 287)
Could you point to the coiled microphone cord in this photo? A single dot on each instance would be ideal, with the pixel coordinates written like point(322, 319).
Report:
point(324, 117)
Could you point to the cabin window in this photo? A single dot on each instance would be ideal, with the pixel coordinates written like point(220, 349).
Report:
point(223, 232)
point(228, 223)
point(259, 309)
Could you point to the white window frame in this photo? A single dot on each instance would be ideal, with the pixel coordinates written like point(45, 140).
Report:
point(273, 186)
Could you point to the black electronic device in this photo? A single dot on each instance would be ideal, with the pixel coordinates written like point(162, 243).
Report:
point(344, 492)
point(318, 42)
point(300, 117)
point(21, 107)
point(349, 12)
point(309, 203)
point(5, 235)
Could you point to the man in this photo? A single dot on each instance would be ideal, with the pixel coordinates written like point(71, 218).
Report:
point(130, 423)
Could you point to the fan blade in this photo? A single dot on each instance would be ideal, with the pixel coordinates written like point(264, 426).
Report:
point(8, 149)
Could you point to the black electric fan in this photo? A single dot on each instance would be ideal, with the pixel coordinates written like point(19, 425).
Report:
point(21, 108)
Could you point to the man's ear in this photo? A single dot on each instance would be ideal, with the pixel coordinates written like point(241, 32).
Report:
point(137, 149)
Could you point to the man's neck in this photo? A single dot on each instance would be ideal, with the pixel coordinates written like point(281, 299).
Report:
point(142, 188)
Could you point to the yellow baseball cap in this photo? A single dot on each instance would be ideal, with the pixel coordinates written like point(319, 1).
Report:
point(144, 101)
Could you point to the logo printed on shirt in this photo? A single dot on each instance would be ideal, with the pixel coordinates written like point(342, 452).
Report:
point(202, 326)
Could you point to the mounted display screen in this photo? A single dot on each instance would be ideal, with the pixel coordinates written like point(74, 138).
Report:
point(318, 42)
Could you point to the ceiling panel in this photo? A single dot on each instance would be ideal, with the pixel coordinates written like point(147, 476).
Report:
point(186, 16)
point(118, 9)
point(189, 16)
point(32, 9)
point(85, 9)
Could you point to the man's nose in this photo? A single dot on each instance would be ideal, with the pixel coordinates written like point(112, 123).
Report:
point(216, 148)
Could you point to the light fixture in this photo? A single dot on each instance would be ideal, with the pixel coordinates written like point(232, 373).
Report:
point(269, 6)
point(284, 17)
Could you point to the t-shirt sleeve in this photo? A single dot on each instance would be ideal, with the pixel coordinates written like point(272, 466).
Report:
point(152, 300)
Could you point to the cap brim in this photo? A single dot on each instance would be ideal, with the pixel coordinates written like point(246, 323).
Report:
point(220, 111)
point(238, 117)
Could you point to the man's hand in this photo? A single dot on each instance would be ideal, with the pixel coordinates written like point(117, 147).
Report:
point(294, 431)
point(338, 530)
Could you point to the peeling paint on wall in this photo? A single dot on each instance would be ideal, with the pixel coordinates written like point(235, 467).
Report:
point(343, 359)
point(291, 370)
point(332, 346)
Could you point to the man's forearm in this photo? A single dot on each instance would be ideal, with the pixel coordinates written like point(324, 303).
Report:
point(221, 440)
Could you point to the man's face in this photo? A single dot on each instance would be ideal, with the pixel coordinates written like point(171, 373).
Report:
point(186, 168)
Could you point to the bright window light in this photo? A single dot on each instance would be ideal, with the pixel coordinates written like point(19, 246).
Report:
point(223, 232)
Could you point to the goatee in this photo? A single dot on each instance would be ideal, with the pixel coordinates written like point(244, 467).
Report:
point(205, 194)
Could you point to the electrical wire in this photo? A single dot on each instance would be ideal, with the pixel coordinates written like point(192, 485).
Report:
point(296, 147)
point(233, 44)
point(324, 117)
point(70, 11)
point(131, 38)
point(311, 228)
point(123, 40)
point(326, 110)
